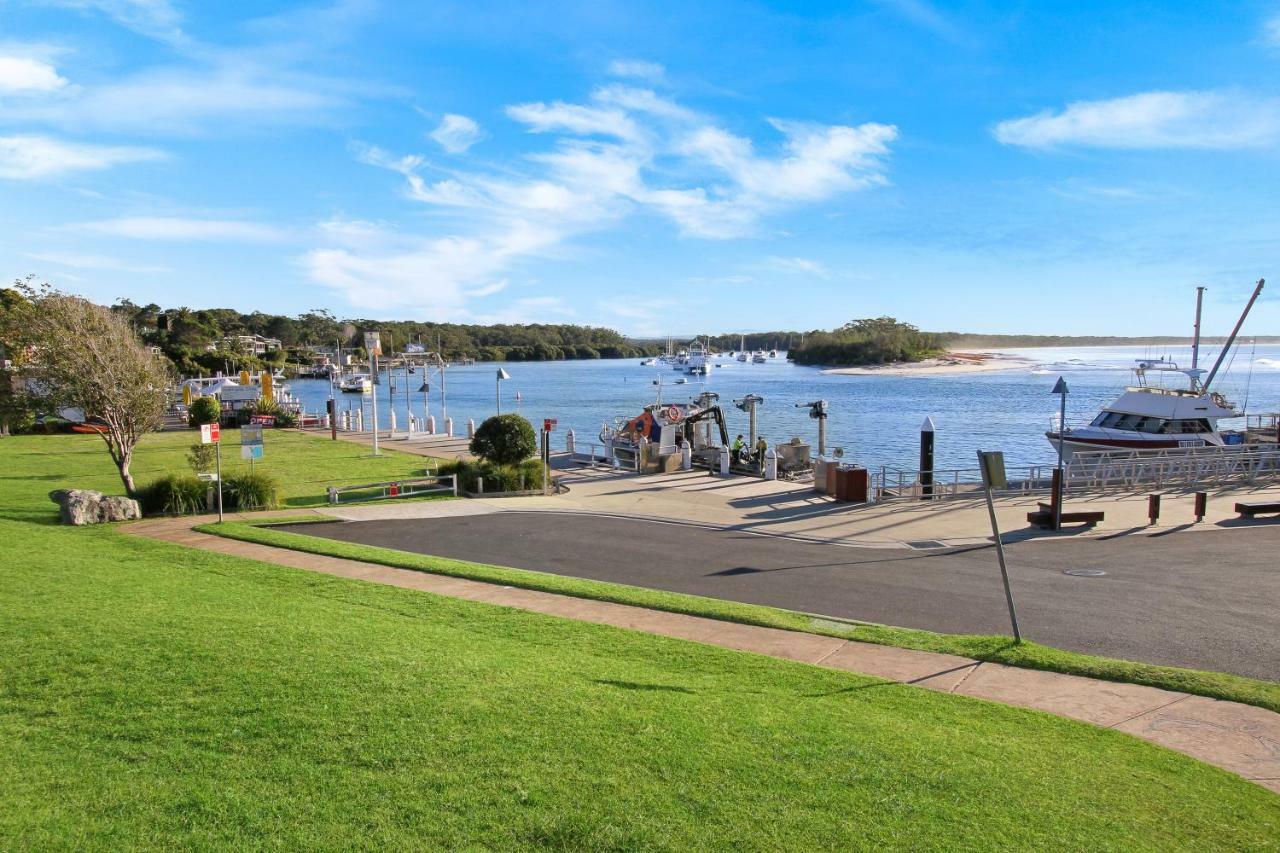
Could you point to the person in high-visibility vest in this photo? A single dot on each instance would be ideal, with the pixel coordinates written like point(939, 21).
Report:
point(738, 446)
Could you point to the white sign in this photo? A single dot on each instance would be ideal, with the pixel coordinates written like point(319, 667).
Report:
point(373, 343)
point(209, 433)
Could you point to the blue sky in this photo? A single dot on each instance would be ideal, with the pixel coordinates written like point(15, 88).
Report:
point(660, 168)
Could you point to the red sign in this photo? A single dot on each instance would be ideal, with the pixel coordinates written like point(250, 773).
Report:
point(263, 420)
point(209, 433)
point(549, 424)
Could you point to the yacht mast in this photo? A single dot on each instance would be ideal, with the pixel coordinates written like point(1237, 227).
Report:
point(1231, 340)
point(1195, 343)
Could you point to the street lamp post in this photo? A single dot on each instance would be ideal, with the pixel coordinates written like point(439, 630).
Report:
point(502, 374)
point(1060, 388)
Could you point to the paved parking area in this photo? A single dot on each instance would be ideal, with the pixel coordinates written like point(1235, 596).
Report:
point(1208, 600)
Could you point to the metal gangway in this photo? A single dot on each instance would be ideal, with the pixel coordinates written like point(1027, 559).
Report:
point(892, 484)
point(1173, 468)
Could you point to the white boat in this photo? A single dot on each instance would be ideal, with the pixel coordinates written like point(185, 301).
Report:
point(649, 362)
point(699, 363)
point(1152, 417)
point(758, 358)
point(742, 356)
point(773, 353)
point(356, 383)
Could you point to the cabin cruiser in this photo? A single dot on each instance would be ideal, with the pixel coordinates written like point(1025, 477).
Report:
point(1153, 417)
point(356, 383)
point(758, 358)
point(699, 363)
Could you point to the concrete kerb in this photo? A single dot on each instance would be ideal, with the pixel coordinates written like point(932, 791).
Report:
point(1239, 738)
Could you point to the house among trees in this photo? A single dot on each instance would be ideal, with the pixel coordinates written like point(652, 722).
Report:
point(249, 344)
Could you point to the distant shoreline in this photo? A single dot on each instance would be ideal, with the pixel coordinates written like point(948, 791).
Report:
point(952, 363)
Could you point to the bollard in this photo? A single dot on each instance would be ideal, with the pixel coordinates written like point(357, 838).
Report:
point(471, 428)
point(570, 441)
point(926, 459)
point(771, 464)
point(448, 427)
point(1153, 508)
point(333, 495)
point(431, 424)
point(410, 425)
point(479, 485)
point(392, 417)
point(1202, 504)
point(360, 420)
point(686, 457)
point(724, 461)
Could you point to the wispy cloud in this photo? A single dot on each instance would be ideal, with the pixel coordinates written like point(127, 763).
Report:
point(1271, 31)
point(80, 261)
point(799, 265)
point(625, 150)
point(457, 133)
point(925, 15)
point(27, 75)
point(639, 69)
point(153, 18)
point(32, 157)
point(1192, 119)
point(175, 228)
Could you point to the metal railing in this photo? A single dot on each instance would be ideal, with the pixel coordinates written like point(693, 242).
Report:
point(890, 484)
point(599, 454)
point(1173, 468)
point(405, 488)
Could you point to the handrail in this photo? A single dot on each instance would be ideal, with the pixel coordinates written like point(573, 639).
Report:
point(402, 488)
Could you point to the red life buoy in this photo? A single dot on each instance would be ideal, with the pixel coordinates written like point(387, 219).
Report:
point(673, 414)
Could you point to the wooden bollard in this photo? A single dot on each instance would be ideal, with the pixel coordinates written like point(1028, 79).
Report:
point(1153, 508)
point(1202, 504)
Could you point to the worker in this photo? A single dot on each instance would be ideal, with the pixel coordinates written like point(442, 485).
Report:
point(761, 447)
point(738, 447)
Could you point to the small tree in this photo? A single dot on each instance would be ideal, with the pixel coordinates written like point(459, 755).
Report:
point(203, 410)
point(81, 355)
point(200, 457)
point(504, 440)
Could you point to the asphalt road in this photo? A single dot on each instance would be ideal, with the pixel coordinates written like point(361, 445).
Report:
point(1203, 599)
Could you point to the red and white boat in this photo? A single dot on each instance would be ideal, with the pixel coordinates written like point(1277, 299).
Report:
point(1151, 417)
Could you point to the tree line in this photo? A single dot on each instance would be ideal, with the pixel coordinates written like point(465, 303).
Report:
point(881, 340)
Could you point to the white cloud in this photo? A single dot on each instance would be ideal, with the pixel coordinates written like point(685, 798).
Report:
point(1151, 120)
point(624, 151)
point(799, 265)
point(30, 157)
point(637, 68)
point(154, 18)
point(171, 228)
point(76, 260)
point(457, 133)
point(1271, 31)
point(26, 75)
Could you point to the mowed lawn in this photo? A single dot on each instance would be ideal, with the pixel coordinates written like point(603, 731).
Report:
point(152, 695)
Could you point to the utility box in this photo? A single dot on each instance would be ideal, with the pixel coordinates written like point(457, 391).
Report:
point(820, 476)
point(851, 485)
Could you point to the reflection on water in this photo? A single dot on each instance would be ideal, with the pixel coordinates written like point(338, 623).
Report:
point(874, 418)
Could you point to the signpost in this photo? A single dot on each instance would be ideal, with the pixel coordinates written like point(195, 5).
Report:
point(548, 425)
point(993, 477)
point(212, 434)
point(251, 444)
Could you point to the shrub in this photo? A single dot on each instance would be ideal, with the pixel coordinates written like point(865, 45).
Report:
point(284, 417)
point(200, 457)
point(525, 476)
point(250, 492)
point(173, 495)
point(504, 440)
point(203, 410)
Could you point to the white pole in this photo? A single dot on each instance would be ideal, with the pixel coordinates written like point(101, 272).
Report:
point(373, 385)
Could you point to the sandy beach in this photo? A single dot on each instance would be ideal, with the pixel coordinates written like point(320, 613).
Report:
point(959, 361)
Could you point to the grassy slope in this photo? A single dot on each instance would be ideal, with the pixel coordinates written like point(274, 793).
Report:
point(998, 649)
point(151, 694)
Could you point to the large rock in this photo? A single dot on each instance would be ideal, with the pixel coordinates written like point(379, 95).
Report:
point(83, 506)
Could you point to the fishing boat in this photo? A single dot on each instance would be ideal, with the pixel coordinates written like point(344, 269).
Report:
point(356, 383)
point(1148, 416)
point(649, 362)
point(758, 357)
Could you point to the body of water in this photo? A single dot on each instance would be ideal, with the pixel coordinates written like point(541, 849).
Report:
point(876, 419)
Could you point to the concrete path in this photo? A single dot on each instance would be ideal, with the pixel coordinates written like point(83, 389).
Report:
point(1239, 738)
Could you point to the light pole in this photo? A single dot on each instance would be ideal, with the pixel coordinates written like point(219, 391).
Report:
point(502, 374)
point(1060, 388)
point(426, 402)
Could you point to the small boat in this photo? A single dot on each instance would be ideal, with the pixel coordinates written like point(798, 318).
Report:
point(1147, 417)
point(699, 363)
point(649, 362)
point(758, 358)
point(742, 356)
point(682, 381)
point(773, 353)
point(356, 383)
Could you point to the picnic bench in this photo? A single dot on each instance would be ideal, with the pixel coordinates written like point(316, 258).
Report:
point(1248, 509)
point(1043, 517)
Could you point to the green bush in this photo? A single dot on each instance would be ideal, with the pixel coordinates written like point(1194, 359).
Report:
point(201, 457)
point(250, 492)
point(173, 495)
point(203, 410)
point(526, 476)
point(504, 440)
point(284, 417)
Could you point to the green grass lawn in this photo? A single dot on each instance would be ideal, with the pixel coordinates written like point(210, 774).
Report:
point(152, 695)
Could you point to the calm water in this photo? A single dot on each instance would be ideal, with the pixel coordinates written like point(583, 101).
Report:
point(875, 419)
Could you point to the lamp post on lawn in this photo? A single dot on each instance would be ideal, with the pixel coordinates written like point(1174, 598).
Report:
point(502, 374)
point(1060, 388)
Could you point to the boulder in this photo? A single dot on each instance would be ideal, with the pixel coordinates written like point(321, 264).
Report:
point(83, 506)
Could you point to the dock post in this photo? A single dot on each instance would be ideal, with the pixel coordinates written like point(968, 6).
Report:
point(332, 416)
point(570, 441)
point(1153, 508)
point(471, 427)
point(926, 459)
point(724, 461)
point(431, 424)
point(1202, 505)
point(771, 464)
point(448, 427)
point(686, 457)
